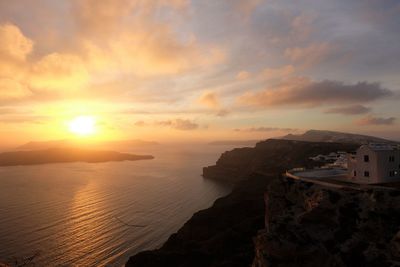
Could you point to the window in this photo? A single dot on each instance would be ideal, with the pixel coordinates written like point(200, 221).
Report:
point(366, 158)
point(391, 158)
point(366, 174)
point(392, 173)
point(354, 173)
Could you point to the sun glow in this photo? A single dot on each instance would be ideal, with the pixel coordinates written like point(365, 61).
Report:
point(82, 125)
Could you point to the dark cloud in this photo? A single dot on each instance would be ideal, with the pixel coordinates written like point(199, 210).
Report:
point(349, 110)
point(300, 91)
point(370, 120)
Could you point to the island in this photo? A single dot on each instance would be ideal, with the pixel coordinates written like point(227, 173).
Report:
point(65, 154)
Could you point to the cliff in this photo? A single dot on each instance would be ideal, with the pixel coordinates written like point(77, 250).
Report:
point(309, 225)
point(218, 236)
point(223, 234)
point(268, 156)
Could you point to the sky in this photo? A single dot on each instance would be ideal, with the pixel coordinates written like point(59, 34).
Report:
point(181, 70)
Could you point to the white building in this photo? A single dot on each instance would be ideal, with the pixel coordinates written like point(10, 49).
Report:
point(374, 163)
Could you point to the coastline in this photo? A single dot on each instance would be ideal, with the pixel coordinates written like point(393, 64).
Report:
point(223, 234)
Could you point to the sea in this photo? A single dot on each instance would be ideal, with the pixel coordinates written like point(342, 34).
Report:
point(100, 214)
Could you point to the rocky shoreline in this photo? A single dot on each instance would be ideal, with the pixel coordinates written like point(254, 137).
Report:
point(270, 221)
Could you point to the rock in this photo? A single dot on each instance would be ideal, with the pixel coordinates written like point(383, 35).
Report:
point(328, 227)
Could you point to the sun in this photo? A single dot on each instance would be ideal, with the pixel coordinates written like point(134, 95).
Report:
point(82, 125)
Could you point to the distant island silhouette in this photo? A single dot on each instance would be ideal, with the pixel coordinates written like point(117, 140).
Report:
point(116, 144)
point(66, 154)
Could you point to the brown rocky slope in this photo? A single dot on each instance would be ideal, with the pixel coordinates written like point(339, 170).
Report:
point(309, 225)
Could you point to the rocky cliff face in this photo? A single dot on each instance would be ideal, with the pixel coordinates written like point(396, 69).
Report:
point(271, 156)
point(308, 225)
point(223, 235)
point(219, 236)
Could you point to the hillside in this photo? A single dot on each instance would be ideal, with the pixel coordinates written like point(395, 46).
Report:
point(335, 137)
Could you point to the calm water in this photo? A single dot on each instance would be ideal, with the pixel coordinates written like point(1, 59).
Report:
point(80, 214)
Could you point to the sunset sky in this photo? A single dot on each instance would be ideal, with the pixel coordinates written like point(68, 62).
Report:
point(176, 70)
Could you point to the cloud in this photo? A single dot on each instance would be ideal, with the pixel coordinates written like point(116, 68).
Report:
point(13, 44)
point(133, 37)
point(105, 17)
point(349, 110)
point(210, 100)
point(108, 41)
point(301, 26)
point(281, 73)
point(14, 49)
point(370, 120)
point(158, 51)
point(13, 88)
point(22, 78)
point(310, 55)
point(265, 129)
point(179, 124)
point(28, 119)
point(140, 123)
point(301, 91)
point(65, 72)
point(243, 75)
point(223, 112)
point(6, 111)
point(247, 7)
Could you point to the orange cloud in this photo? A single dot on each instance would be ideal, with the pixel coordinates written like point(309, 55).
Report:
point(113, 39)
point(243, 75)
point(13, 89)
point(13, 44)
point(65, 72)
point(210, 100)
point(127, 35)
point(14, 49)
point(101, 18)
